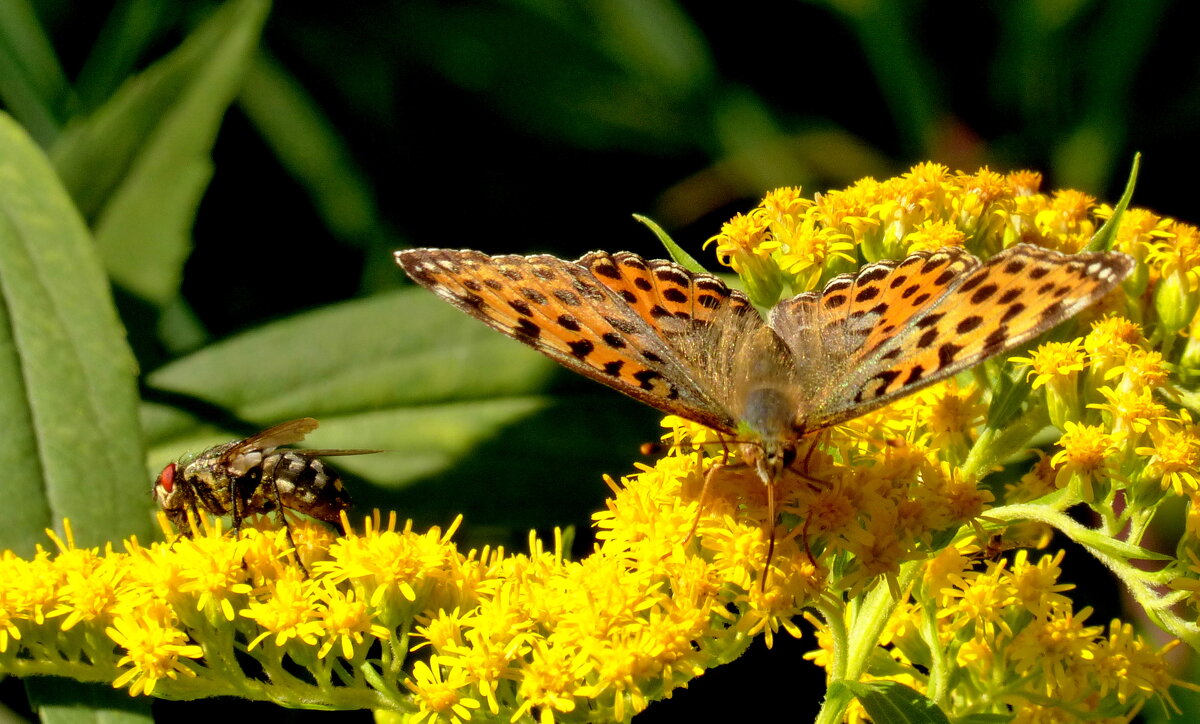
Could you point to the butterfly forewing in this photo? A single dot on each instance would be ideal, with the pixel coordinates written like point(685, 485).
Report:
point(583, 321)
point(983, 311)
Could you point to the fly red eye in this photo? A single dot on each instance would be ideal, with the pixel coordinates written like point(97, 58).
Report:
point(166, 479)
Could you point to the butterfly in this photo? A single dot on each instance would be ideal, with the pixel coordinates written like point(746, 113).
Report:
point(689, 345)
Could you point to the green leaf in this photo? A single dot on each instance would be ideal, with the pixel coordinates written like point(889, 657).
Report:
point(681, 257)
point(66, 701)
point(32, 83)
point(131, 28)
point(138, 166)
point(1012, 388)
point(1110, 546)
point(446, 397)
point(67, 379)
point(306, 142)
point(890, 702)
point(1103, 239)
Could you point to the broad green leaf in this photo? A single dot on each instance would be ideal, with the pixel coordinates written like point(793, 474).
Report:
point(447, 398)
point(67, 379)
point(890, 702)
point(138, 166)
point(66, 701)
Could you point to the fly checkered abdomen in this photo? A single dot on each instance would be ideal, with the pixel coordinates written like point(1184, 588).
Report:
point(307, 484)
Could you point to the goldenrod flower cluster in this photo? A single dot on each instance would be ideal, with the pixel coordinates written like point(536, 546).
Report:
point(894, 540)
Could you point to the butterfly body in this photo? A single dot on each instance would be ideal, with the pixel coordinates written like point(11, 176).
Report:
point(687, 344)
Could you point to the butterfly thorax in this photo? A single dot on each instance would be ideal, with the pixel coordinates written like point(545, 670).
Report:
point(767, 404)
point(768, 445)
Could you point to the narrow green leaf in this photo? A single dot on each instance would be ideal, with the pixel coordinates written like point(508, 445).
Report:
point(32, 83)
point(129, 29)
point(310, 147)
point(1103, 239)
point(1012, 389)
point(681, 257)
point(890, 702)
point(1115, 548)
point(138, 166)
point(67, 379)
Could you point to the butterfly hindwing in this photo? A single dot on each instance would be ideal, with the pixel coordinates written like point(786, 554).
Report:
point(667, 296)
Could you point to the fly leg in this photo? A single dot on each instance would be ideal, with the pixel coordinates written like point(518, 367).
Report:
point(270, 463)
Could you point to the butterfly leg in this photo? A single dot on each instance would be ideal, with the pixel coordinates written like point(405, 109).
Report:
point(804, 462)
point(803, 473)
point(708, 478)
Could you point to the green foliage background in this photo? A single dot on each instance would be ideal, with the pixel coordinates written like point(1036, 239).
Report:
point(239, 175)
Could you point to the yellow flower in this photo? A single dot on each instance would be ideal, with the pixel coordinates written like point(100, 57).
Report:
point(1054, 361)
point(287, 609)
point(1066, 222)
point(746, 245)
point(933, 234)
point(1130, 413)
point(1139, 369)
point(345, 619)
point(1036, 586)
point(154, 650)
point(1175, 456)
point(550, 681)
point(439, 693)
point(1056, 651)
point(1128, 666)
point(88, 585)
point(211, 566)
point(1085, 458)
point(977, 603)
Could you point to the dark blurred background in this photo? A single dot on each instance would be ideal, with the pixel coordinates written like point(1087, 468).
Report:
point(526, 126)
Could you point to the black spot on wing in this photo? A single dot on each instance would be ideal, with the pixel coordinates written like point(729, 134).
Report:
point(613, 340)
point(969, 324)
point(984, 293)
point(581, 348)
point(947, 352)
point(929, 320)
point(526, 329)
